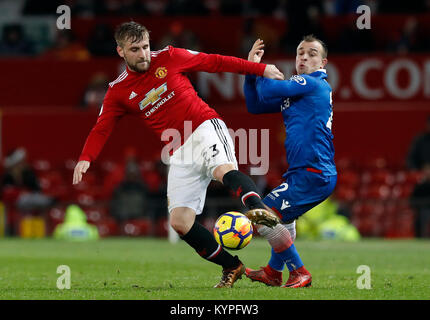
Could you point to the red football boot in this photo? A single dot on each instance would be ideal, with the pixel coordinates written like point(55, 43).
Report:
point(266, 275)
point(299, 278)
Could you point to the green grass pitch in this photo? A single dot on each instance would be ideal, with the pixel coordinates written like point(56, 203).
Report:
point(154, 269)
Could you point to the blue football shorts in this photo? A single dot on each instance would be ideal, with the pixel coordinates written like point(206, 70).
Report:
point(302, 190)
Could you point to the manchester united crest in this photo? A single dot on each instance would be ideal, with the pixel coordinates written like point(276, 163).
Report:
point(161, 72)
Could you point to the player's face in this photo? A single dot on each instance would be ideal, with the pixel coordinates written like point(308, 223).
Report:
point(309, 57)
point(137, 55)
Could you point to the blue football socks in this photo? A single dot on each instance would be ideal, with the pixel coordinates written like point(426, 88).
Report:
point(276, 261)
point(289, 256)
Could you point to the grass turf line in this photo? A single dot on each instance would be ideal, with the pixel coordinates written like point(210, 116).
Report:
point(154, 269)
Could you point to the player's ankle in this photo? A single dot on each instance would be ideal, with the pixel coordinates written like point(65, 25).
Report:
point(272, 272)
point(302, 270)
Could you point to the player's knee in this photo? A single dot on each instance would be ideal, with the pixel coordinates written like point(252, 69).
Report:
point(221, 170)
point(179, 226)
point(181, 220)
point(278, 237)
point(291, 227)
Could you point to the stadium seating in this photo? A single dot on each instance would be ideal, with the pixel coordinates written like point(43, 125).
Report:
point(375, 194)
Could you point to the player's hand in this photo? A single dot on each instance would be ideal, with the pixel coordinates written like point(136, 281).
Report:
point(272, 72)
point(81, 167)
point(256, 52)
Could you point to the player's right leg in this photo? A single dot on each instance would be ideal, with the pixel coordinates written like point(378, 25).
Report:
point(186, 193)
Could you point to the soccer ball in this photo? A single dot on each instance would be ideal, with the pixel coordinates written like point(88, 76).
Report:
point(233, 230)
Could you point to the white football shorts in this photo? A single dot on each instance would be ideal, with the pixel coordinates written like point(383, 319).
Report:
point(192, 165)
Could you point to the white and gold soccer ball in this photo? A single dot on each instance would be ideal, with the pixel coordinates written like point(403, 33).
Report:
point(233, 230)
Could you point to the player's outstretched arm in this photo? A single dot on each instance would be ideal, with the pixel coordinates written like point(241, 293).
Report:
point(255, 55)
point(272, 72)
point(80, 168)
point(253, 103)
point(269, 89)
point(257, 51)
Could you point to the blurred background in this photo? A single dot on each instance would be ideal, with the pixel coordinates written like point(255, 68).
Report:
point(53, 83)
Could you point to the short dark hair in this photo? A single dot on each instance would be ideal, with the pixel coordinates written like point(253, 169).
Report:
point(130, 31)
point(312, 38)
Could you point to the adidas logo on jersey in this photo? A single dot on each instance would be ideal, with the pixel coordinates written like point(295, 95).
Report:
point(132, 95)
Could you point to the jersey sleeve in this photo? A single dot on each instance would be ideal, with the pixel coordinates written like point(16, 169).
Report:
point(296, 86)
point(253, 103)
point(188, 60)
point(110, 114)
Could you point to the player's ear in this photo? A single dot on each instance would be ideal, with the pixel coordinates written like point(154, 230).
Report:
point(324, 62)
point(120, 51)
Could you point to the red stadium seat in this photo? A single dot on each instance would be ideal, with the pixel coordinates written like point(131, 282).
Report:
point(10, 194)
point(153, 180)
point(400, 220)
point(376, 163)
point(70, 164)
point(108, 166)
point(381, 176)
point(349, 178)
point(137, 227)
point(413, 177)
point(55, 216)
point(67, 170)
point(41, 165)
point(364, 225)
point(96, 214)
point(162, 227)
point(107, 227)
point(344, 164)
point(368, 209)
point(376, 191)
point(402, 191)
point(85, 199)
point(274, 178)
point(52, 183)
point(345, 193)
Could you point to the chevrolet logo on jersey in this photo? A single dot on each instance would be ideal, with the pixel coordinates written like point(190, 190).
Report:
point(153, 96)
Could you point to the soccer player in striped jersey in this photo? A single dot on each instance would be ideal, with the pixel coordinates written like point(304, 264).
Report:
point(154, 88)
point(305, 102)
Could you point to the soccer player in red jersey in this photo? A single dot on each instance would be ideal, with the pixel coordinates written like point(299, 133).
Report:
point(154, 88)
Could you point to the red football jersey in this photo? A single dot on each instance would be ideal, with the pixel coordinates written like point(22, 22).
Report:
point(162, 96)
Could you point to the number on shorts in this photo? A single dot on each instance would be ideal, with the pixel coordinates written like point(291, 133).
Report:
point(282, 187)
point(215, 150)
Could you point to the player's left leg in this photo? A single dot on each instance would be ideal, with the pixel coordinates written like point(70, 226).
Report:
point(287, 201)
point(182, 219)
point(283, 252)
point(271, 274)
